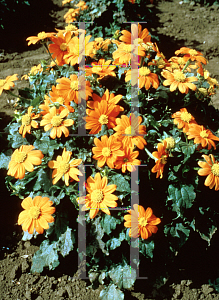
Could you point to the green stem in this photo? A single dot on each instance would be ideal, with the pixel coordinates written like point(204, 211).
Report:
point(142, 61)
point(150, 154)
point(188, 62)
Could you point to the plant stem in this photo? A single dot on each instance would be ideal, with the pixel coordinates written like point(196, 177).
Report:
point(150, 154)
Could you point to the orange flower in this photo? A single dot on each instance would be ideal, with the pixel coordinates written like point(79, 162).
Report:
point(82, 5)
point(177, 79)
point(101, 68)
point(59, 48)
point(56, 122)
point(210, 168)
point(71, 15)
point(183, 118)
point(146, 78)
point(107, 150)
point(128, 161)
point(191, 54)
point(143, 36)
point(123, 54)
point(130, 132)
point(142, 223)
point(100, 43)
point(161, 155)
point(7, 83)
point(36, 214)
point(40, 36)
point(70, 88)
point(57, 96)
point(99, 196)
point(202, 136)
point(28, 122)
point(110, 98)
point(65, 169)
point(79, 47)
point(103, 114)
point(23, 159)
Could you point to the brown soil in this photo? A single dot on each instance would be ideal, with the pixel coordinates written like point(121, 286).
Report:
point(176, 25)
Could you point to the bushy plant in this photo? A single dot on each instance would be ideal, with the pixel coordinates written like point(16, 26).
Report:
point(113, 151)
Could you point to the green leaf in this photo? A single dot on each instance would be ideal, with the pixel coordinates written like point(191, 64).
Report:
point(43, 181)
point(177, 234)
point(111, 293)
point(146, 248)
point(182, 197)
point(122, 276)
point(66, 241)
point(5, 159)
point(108, 223)
point(115, 242)
point(122, 184)
point(46, 256)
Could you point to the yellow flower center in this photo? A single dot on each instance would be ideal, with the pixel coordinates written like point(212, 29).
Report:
point(130, 130)
point(125, 159)
point(215, 169)
point(181, 61)
point(174, 66)
point(127, 48)
point(2, 82)
point(164, 159)
point(97, 196)
point(26, 119)
point(41, 35)
point(179, 76)
point(60, 100)
point(204, 134)
point(142, 221)
point(103, 119)
point(106, 151)
point(144, 71)
point(203, 91)
point(20, 157)
point(170, 142)
point(74, 85)
point(34, 212)
point(63, 167)
point(193, 52)
point(138, 41)
point(70, 27)
point(56, 121)
point(186, 117)
point(63, 46)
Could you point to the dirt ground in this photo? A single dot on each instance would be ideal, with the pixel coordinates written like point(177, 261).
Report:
point(176, 24)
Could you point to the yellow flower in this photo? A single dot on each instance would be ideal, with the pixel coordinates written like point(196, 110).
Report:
point(28, 122)
point(64, 168)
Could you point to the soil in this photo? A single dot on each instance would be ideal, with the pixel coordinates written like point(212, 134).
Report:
point(176, 24)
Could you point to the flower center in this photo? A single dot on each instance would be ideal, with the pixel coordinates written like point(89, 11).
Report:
point(193, 52)
point(103, 119)
point(160, 62)
point(204, 134)
point(56, 121)
point(2, 82)
point(97, 196)
point(63, 46)
point(34, 212)
point(106, 151)
point(181, 61)
point(64, 167)
point(127, 48)
point(74, 85)
point(170, 142)
point(130, 130)
point(41, 35)
point(186, 117)
point(179, 76)
point(164, 159)
point(20, 157)
point(138, 41)
point(144, 71)
point(26, 119)
point(215, 169)
point(125, 159)
point(60, 100)
point(70, 27)
point(142, 221)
